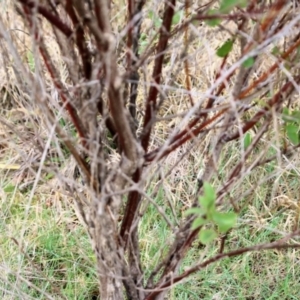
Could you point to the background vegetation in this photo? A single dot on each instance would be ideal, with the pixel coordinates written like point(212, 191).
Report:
point(149, 149)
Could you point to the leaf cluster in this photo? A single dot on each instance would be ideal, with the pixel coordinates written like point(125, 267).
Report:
point(208, 214)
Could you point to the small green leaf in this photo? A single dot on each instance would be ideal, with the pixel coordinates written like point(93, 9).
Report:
point(143, 36)
point(297, 54)
point(30, 60)
point(9, 188)
point(227, 5)
point(156, 20)
point(248, 63)
point(287, 66)
point(49, 176)
point(225, 48)
point(247, 140)
point(207, 201)
point(160, 194)
point(198, 222)
point(296, 116)
point(225, 221)
point(285, 114)
point(143, 45)
point(207, 235)
point(195, 22)
point(290, 117)
point(194, 211)
point(212, 22)
point(292, 131)
point(177, 17)
point(209, 191)
point(275, 50)
point(62, 122)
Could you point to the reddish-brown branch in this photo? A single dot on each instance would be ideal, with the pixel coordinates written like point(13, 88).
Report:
point(102, 13)
point(105, 43)
point(274, 245)
point(275, 101)
point(130, 211)
point(185, 134)
point(191, 133)
point(72, 112)
point(272, 14)
point(237, 169)
point(156, 75)
point(186, 63)
point(198, 17)
point(53, 19)
point(180, 251)
point(286, 90)
point(80, 40)
point(133, 199)
point(266, 74)
point(101, 30)
point(211, 100)
point(250, 12)
point(134, 17)
point(130, 12)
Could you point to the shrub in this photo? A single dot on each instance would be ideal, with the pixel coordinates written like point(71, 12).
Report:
point(172, 113)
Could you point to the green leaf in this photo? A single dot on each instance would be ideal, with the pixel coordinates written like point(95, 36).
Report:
point(30, 60)
point(225, 48)
point(292, 131)
point(143, 36)
point(9, 188)
point(195, 22)
point(177, 17)
point(194, 211)
point(296, 116)
point(275, 50)
point(290, 117)
point(207, 201)
point(225, 221)
point(285, 114)
point(247, 140)
point(287, 65)
point(227, 5)
point(297, 54)
point(212, 22)
point(49, 176)
point(156, 20)
point(62, 122)
point(160, 194)
point(248, 63)
point(143, 45)
point(207, 235)
point(209, 191)
point(198, 222)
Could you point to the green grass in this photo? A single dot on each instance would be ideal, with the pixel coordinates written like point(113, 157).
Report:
point(58, 258)
point(258, 275)
point(55, 256)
